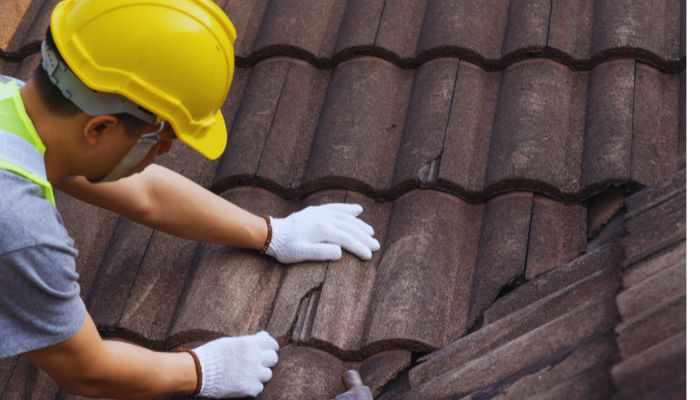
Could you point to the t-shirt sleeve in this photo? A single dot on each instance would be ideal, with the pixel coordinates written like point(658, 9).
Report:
point(40, 302)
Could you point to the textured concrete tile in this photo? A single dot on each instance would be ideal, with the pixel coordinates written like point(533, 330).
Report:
point(297, 298)
point(346, 295)
point(509, 328)
point(557, 235)
point(660, 192)
point(669, 229)
point(545, 284)
point(655, 149)
point(538, 130)
point(592, 384)
point(306, 24)
point(468, 136)
point(400, 26)
point(586, 321)
point(92, 229)
point(380, 368)
point(665, 258)
point(528, 26)
point(582, 374)
point(360, 25)
point(254, 118)
point(359, 132)
point(291, 133)
point(423, 137)
point(29, 383)
point(120, 267)
point(502, 248)
point(670, 211)
point(601, 209)
point(651, 370)
point(476, 25)
point(13, 13)
point(654, 325)
point(152, 300)
point(231, 290)
point(609, 118)
point(304, 373)
point(571, 26)
point(654, 26)
point(422, 287)
point(654, 290)
point(247, 16)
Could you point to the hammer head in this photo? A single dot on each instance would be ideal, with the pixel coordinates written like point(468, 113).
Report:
point(356, 390)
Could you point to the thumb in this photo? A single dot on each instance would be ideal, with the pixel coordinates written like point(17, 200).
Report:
point(319, 252)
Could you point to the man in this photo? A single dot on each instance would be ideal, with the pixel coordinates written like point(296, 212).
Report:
point(119, 81)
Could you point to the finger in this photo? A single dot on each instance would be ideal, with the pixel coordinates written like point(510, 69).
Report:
point(269, 358)
point(265, 375)
point(349, 243)
point(355, 221)
point(359, 234)
point(319, 252)
point(266, 342)
point(351, 209)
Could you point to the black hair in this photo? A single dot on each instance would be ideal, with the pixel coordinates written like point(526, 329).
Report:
point(59, 105)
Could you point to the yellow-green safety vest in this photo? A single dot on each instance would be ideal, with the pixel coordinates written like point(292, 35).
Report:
point(21, 148)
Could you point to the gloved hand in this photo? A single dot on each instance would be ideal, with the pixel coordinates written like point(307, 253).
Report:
point(236, 366)
point(318, 233)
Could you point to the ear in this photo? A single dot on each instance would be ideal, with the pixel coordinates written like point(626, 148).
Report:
point(97, 126)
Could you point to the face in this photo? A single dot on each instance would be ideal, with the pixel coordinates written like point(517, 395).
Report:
point(111, 144)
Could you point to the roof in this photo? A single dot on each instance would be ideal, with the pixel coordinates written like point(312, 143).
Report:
point(518, 161)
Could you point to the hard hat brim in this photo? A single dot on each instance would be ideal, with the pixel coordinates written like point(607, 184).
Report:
point(211, 144)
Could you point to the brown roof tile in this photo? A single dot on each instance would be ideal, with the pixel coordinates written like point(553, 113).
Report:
point(662, 286)
point(528, 318)
point(359, 130)
point(566, 332)
point(653, 369)
point(502, 248)
point(387, 97)
point(557, 235)
point(651, 326)
point(551, 282)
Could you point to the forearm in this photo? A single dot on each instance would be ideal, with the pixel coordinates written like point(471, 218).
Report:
point(183, 208)
point(131, 372)
point(169, 202)
point(90, 366)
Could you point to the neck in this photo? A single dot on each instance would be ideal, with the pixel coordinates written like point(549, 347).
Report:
point(54, 133)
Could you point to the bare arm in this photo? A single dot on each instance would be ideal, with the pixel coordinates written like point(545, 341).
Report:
point(89, 366)
point(169, 202)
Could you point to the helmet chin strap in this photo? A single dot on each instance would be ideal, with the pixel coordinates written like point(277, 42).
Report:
point(134, 156)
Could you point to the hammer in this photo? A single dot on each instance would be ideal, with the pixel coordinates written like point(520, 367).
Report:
point(356, 390)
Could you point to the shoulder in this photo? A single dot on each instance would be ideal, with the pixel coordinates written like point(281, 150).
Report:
point(27, 218)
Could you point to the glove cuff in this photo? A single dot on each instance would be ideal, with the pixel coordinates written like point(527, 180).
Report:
point(278, 237)
point(212, 371)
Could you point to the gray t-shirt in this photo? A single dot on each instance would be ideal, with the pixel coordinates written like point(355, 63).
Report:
point(40, 302)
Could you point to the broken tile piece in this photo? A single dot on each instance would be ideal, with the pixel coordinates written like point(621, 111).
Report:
point(346, 295)
point(557, 235)
point(502, 248)
point(304, 373)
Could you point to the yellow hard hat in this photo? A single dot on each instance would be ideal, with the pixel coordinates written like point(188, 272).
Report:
point(173, 58)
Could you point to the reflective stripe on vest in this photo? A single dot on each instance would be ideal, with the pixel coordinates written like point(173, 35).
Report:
point(19, 156)
point(21, 151)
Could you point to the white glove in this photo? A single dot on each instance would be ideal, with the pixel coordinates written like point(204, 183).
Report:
point(236, 366)
point(318, 233)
